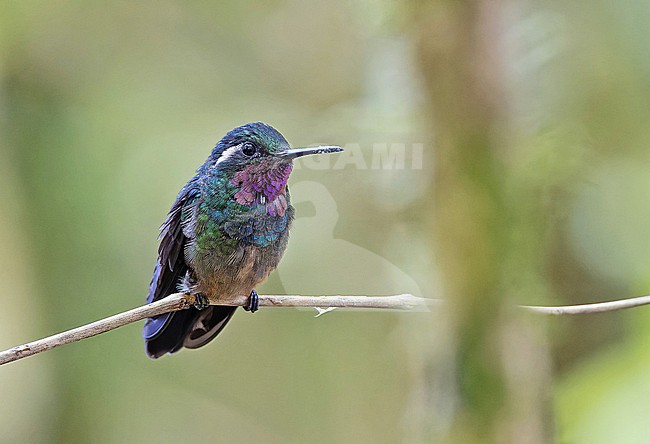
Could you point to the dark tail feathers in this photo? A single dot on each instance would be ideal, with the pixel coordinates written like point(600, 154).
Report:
point(189, 328)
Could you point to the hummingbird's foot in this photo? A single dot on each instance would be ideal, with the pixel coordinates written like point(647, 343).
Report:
point(253, 302)
point(201, 301)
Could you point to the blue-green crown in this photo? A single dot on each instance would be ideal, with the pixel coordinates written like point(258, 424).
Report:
point(259, 133)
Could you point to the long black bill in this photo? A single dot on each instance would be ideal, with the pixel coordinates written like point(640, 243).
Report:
point(299, 152)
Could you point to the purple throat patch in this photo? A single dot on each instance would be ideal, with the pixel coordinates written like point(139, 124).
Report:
point(259, 180)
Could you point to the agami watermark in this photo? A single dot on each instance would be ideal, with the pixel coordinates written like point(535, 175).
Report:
point(381, 156)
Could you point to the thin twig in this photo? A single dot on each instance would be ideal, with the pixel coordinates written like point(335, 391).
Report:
point(180, 301)
point(598, 307)
point(173, 302)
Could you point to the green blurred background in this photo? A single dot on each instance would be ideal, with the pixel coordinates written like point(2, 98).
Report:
point(534, 118)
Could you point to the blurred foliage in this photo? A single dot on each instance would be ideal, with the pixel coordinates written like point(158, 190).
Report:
point(535, 122)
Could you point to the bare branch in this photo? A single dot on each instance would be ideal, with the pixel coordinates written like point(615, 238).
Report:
point(599, 307)
point(399, 302)
point(180, 301)
point(173, 302)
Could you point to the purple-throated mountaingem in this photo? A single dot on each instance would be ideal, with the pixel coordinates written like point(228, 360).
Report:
point(224, 234)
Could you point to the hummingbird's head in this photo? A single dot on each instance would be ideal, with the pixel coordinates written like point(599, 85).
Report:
point(258, 144)
point(259, 160)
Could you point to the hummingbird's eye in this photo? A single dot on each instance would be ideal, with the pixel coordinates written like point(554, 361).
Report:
point(249, 149)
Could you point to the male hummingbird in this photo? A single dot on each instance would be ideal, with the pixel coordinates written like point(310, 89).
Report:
point(224, 234)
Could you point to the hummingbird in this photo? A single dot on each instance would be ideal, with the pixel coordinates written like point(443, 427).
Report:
point(224, 234)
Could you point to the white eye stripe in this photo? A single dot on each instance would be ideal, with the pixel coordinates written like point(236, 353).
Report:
point(227, 153)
